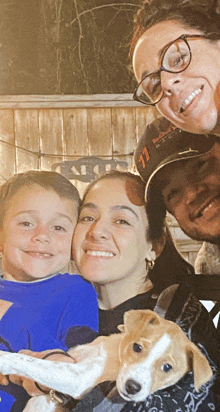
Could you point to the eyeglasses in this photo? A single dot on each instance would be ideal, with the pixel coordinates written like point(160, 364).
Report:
point(176, 58)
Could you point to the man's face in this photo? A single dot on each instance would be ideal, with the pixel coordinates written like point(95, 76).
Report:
point(191, 192)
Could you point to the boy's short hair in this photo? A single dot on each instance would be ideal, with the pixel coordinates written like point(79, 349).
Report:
point(47, 179)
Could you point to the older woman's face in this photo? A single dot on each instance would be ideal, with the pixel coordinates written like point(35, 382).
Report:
point(109, 241)
point(196, 89)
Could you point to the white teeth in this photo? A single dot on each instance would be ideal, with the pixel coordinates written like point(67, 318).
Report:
point(190, 98)
point(99, 253)
point(40, 254)
point(207, 207)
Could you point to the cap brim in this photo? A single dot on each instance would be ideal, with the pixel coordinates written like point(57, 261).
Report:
point(189, 154)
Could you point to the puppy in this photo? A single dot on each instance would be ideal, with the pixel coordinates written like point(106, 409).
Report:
point(149, 354)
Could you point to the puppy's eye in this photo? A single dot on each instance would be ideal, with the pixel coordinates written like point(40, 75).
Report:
point(167, 367)
point(137, 348)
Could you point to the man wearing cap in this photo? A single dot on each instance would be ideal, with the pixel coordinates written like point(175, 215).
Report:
point(182, 173)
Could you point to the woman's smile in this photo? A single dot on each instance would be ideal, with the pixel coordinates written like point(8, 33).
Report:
point(99, 253)
point(189, 96)
point(191, 99)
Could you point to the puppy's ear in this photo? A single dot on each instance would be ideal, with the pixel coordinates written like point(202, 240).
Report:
point(201, 369)
point(139, 317)
point(121, 328)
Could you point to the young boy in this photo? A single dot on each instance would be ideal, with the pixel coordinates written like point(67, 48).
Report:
point(38, 304)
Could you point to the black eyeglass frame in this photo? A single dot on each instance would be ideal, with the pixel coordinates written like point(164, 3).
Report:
point(183, 37)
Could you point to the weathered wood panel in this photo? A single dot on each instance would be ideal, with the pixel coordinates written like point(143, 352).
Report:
point(124, 134)
point(27, 139)
point(99, 132)
point(51, 137)
point(68, 101)
point(188, 248)
point(7, 145)
point(7, 126)
point(36, 132)
point(75, 126)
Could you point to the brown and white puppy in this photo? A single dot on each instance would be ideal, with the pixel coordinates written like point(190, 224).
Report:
point(155, 353)
point(149, 354)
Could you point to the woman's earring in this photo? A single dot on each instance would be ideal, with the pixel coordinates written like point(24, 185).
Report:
point(151, 264)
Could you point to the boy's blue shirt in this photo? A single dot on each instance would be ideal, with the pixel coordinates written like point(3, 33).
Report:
point(40, 318)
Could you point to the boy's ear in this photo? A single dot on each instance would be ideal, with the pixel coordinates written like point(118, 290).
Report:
point(1, 241)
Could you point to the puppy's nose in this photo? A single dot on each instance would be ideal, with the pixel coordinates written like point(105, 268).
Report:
point(132, 386)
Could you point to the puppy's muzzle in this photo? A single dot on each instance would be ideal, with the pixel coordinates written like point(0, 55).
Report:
point(132, 387)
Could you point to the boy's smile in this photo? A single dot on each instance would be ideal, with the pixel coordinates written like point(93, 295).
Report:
point(37, 234)
point(39, 255)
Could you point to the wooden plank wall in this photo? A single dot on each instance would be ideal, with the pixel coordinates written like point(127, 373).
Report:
point(39, 131)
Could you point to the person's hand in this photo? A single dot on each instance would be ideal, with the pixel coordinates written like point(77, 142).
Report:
point(28, 384)
point(4, 306)
point(39, 355)
point(3, 380)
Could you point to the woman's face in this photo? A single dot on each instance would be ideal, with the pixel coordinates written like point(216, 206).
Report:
point(196, 89)
point(109, 242)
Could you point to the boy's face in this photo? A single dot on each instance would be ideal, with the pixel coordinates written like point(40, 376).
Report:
point(37, 234)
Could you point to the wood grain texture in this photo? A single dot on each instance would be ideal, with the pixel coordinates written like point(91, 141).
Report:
point(75, 129)
point(7, 145)
point(37, 132)
point(27, 139)
point(51, 137)
point(99, 132)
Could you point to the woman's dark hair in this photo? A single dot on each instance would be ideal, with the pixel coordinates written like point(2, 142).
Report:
point(156, 212)
point(201, 15)
point(170, 267)
point(121, 175)
point(46, 179)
